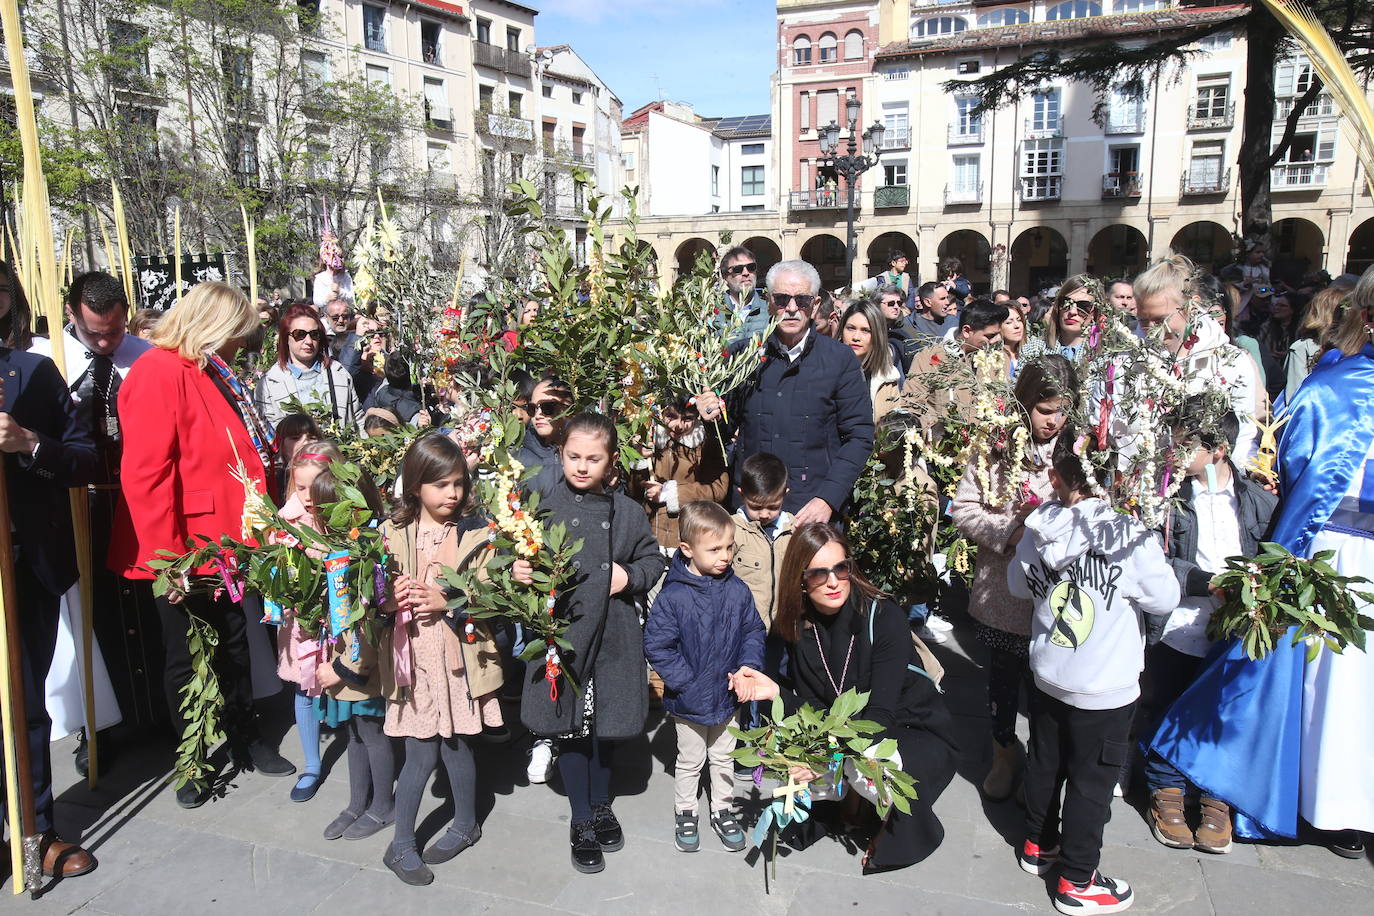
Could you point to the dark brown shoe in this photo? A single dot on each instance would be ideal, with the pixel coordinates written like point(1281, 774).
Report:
point(65, 860)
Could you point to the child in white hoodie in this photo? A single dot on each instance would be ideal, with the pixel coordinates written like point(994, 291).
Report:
point(1092, 573)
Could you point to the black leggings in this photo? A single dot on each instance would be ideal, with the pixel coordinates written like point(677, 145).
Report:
point(230, 661)
point(422, 756)
point(1007, 671)
point(371, 767)
point(585, 765)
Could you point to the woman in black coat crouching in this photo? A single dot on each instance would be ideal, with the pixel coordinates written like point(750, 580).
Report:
point(842, 634)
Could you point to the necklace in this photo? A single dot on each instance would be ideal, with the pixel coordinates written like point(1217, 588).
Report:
point(843, 671)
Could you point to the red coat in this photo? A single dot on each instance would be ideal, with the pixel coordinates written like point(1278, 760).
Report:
point(176, 468)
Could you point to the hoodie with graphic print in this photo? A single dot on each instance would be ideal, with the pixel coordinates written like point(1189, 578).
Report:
point(1092, 572)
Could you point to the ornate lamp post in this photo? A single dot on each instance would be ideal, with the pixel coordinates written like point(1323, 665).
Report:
point(851, 165)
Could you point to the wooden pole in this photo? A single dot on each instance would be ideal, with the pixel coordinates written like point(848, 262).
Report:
point(19, 807)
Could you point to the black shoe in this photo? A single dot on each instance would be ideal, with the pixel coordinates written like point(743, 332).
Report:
point(264, 758)
point(189, 796)
point(449, 845)
point(83, 756)
point(417, 877)
point(608, 832)
point(586, 851)
point(1348, 844)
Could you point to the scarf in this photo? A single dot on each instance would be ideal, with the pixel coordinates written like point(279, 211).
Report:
point(263, 438)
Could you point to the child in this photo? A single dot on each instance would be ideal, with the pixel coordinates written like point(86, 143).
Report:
point(1044, 391)
point(441, 688)
point(617, 564)
point(310, 460)
point(1220, 514)
point(351, 700)
point(688, 463)
point(703, 628)
point(1092, 572)
point(762, 530)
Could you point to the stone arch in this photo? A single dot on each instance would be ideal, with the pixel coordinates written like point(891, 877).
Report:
point(766, 253)
point(1298, 247)
point(687, 254)
point(1360, 254)
point(883, 245)
point(1208, 244)
point(975, 256)
point(1117, 251)
point(826, 253)
point(1039, 259)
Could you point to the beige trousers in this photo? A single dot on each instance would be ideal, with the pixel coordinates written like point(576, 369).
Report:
point(696, 744)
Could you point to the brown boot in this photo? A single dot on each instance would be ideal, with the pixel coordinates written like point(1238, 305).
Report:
point(1006, 768)
point(1168, 821)
point(1214, 833)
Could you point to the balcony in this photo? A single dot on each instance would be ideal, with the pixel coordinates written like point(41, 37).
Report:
point(1044, 128)
point(576, 154)
point(957, 195)
point(1042, 187)
point(1121, 185)
point(820, 199)
point(897, 138)
point(496, 125)
point(1195, 182)
point(1125, 122)
point(965, 134)
point(489, 55)
point(1209, 118)
point(1296, 176)
point(892, 195)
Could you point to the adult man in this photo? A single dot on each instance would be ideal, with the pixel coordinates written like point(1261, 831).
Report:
point(808, 403)
point(98, 354)
point(980, 326)
point(891, 301)
point(1001, 297)
point(337, 314)
point(46, 449)
point(739, 271)
point(934, 305)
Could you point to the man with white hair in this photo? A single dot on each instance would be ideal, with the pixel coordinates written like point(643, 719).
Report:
point(808, 403)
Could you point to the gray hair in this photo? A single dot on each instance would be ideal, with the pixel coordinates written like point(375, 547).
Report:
point(887, 289)
point(794, 269)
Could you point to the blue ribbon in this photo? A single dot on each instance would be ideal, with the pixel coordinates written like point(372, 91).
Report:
point(774, 814)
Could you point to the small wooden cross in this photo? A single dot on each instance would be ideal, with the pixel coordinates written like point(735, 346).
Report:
point(789, 807)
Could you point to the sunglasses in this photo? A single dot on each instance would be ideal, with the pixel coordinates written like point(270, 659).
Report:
point(551, 409)
point(301, 334)
point(804, 302)
point(819, 575)
point(735, 270)
point(1074, 305)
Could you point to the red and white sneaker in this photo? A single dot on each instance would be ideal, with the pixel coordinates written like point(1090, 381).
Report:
point(1037, 861)
point(1100, 895)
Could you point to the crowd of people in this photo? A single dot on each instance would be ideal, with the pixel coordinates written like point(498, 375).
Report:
point(717, 574)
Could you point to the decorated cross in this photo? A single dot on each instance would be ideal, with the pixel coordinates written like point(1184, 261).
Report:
point(789, 806)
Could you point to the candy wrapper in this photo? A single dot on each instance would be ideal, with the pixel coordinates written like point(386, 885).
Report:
point(271, 612)
point(337, 567)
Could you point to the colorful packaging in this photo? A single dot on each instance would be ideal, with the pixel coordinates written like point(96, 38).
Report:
point(271, 611)
point(337, 567)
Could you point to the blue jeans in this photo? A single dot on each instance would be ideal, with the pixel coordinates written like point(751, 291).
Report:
point(1168, 673)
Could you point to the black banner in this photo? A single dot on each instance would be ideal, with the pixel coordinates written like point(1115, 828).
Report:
point(154, 284)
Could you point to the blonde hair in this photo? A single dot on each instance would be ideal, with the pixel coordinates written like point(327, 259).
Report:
point(701, 518)
point(1353, 332)
point(1321, 311)
point(208, 317)
point(317, 453)
point(1171, 276)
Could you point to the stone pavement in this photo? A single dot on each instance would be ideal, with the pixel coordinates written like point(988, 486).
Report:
point(254, 853)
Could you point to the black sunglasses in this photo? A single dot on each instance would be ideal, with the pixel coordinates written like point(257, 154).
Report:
point(804, 301)
point(301, 334)
point(819, 575)
point(551, 409)
point(735, 270)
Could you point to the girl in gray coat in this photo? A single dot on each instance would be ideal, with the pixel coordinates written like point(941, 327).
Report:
point(617, 564)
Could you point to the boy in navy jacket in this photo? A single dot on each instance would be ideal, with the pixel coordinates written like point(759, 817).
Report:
point(702, 628)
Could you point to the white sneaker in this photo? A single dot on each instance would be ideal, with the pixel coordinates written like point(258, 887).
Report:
point(930, 636)
point(541, 758)
point(939, 624)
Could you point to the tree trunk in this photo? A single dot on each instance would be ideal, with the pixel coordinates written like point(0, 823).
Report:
point(1264, 37)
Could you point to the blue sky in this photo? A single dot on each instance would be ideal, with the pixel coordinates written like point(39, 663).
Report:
point(716, 55)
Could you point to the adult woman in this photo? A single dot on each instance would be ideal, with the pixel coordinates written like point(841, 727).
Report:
point(1077, 303)
point(304, 372)
point(1013, 339)
point(186, 421)
point(1299, 734)
point(842, 634)
point(1304, 350)
point(547, 406)
point(1276, 336)
point(863, 330)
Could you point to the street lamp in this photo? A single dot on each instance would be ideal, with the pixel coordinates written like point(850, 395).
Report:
point(851, 165)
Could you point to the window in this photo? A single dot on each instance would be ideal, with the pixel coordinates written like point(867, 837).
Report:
point(715, 181)
point(429, 41)
point(317, 161)
point(513, 104)
point(512, 39)
point(853, 45)
point(547, 91)
point(830, 50)
point(377, 75)
point(486, 97)
point(1123, 161)
point(436, 154)
point(801, 51)
point(1136, 6)
point(374, 27)
point(1213, 97)
point(1204, 165)
point(1125, 110)
point(751, 181)
point(381, 160)
point(436, 100)
point(751, 149)
point(128, 52)
point(244, 151)
point(550, 131)
point(1042, 169)
point(484, 31)
point(1003, 17)
point(805, 111)
point(308, 15)
point(577, 98)
point(517, 166)
point(968, 122)
point(894, 173)
point(579, 136)
point(1311, 146)
point(940, 25)
point(827, 108)
point(489, 171)
point(238, 71)
point(1217, 41)
point(1045, 111)
point(966, 172)
point(314, 68)
point(751, 208)
point(627, 160)
point(1073, 9)
point(138, 126)
point(1303, 82)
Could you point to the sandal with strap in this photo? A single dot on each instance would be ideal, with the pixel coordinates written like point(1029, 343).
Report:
point(686, 836)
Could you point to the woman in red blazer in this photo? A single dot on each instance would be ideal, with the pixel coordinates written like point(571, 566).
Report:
point(187, 423)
